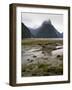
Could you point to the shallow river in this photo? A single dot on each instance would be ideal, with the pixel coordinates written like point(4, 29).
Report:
point(36, 53)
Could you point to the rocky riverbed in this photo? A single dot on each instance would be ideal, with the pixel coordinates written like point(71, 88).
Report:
point(42, 59)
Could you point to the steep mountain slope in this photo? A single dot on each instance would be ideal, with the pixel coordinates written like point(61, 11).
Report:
point(25, 31)
point(47, 30)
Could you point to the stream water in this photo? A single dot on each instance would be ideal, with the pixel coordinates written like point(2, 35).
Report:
point(36, 53)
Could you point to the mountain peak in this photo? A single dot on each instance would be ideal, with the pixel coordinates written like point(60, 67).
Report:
point(47, 22)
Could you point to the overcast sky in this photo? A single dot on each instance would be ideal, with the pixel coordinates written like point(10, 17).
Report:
point(35, 20)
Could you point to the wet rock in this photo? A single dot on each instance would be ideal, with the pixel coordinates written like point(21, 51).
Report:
point(58, 56)
point(44, 46)
point(31, 60)
point(39, 44)
point(34, 56)
point(28, 59)
point(43, 52)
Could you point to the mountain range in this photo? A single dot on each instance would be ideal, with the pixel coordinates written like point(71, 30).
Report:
point(46, 30)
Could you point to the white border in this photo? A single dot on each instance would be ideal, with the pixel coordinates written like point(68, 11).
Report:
point(63, 77)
